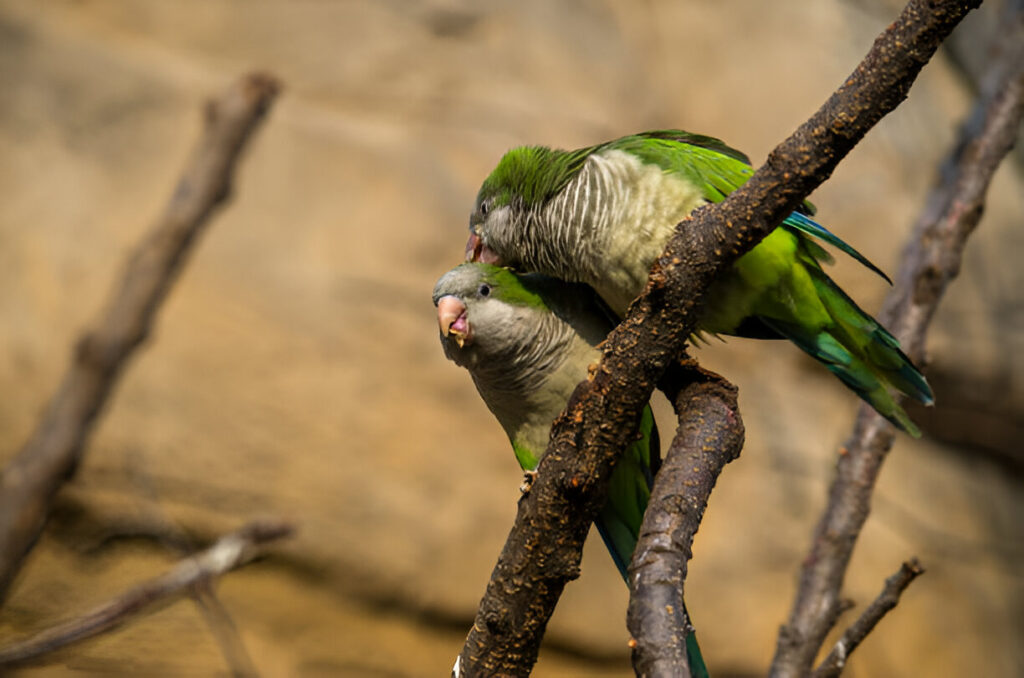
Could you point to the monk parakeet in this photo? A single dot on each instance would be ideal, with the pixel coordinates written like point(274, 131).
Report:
point(602, 215)
point(527, 341)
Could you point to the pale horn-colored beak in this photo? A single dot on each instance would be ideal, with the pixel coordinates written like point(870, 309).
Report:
point(476, 250)
point(451, 319)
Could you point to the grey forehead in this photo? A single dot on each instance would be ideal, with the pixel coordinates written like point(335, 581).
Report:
point(458, 281)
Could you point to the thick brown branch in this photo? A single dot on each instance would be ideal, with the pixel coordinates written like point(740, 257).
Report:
point(228, 553)
point(709, 436)
point(930, 262)
point(51, 455)
point(858, 631)
point(542, 552)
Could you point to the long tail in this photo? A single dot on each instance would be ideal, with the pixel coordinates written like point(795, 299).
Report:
point(860, 352)
point(619, 521)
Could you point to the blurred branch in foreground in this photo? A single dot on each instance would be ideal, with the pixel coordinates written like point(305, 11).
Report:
point(709, 435)
point(973, 51)
point(227, 553)
point(931, 261)
point(52, 453)
point(543, 550)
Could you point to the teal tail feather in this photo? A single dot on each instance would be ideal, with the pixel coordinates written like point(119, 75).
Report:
point(862, 353)
point(618, 523)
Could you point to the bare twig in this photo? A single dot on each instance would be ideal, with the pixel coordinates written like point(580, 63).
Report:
point(543, 550)
point(709, 436)
point(217, 617)
point(52, 454)
point(895, 585)
point(973, 51)
point(229, 552)
point(931, 261)
point(224, 631)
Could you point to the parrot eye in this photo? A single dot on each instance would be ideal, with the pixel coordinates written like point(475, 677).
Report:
point(485, 207)
point(484, 290)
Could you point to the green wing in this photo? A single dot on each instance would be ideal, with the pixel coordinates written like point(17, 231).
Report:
point(719, 170)
point(779, 289)
point(619, 521)
point(628, 493)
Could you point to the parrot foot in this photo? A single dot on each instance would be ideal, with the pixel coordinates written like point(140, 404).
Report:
point(528, 478)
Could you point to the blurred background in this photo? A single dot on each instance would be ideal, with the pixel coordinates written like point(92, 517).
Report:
point(295, 369)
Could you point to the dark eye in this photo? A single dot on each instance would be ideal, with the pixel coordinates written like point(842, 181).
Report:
point(484, 290)
point(485, 207)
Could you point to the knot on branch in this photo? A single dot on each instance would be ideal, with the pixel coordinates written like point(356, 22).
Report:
point(254, 93)
point(95, 354)
point(497, 621)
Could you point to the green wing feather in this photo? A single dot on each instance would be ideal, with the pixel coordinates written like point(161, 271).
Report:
point(719, 170)
point(629, 491)
point(619, 521)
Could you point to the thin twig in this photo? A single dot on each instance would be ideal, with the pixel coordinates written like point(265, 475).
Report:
point(224, 630)
point(542, 552)
point(52, 454)
point(217, 617)
point(931, 261)
point(708, 437)
point(895, 585)
point(229, 552)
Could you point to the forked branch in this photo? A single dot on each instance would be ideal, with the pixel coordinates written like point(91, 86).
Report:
point(930, 262)
point(229, 552)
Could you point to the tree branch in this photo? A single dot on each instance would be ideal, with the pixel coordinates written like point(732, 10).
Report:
point(52, 454)
point(931, 261)
point(709, 436)
point(543, 550)
point(229, 552)
point(858, 631)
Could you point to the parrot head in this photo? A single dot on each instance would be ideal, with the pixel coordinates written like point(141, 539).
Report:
point(482, 310)
point(490, 224)
point(510, 200)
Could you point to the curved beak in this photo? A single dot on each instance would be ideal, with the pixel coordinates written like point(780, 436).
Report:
point(451, 319)
point(476, 250)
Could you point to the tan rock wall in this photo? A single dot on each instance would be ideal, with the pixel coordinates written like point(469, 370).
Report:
point(295, 369)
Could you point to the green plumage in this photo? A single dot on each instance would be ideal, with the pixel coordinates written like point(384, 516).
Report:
point(530, 341)
point(602, 214)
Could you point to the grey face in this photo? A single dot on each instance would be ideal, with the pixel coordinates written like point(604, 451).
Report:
point(491, 235)
point(475, 326)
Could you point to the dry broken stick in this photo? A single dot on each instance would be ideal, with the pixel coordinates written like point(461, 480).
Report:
point(895, 585)
point(52, 453)
point(709, 436)
point(229, 552)
point(176, 538)
point(930, 262)
point(542, 552)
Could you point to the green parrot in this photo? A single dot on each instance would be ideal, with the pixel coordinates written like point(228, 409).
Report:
point(601, 215)
point(528, 341)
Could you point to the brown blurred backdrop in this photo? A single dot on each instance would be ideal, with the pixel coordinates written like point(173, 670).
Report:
point(295, 370)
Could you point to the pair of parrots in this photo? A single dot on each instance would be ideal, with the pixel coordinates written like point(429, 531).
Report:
point(562, 241)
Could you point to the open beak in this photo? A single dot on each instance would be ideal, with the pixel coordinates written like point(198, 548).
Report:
point(476, 250)
point(451, 319)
